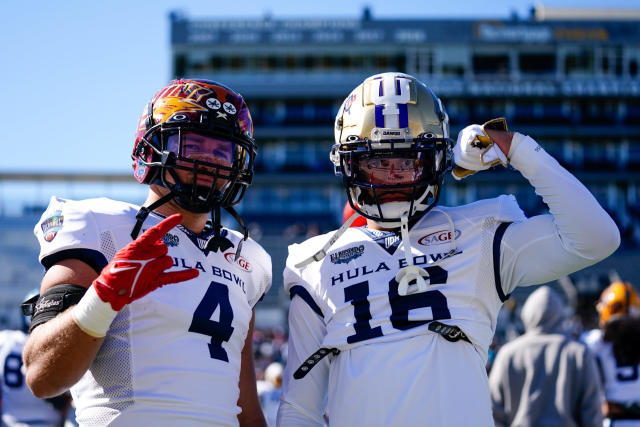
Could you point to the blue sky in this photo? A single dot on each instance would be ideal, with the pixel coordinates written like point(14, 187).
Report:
point(77, 73)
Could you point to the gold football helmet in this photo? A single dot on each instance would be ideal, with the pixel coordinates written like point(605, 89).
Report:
point(617, 298)
point(392, 147)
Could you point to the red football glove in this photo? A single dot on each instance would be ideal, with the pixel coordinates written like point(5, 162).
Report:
point(134, 271)
point(139, 268)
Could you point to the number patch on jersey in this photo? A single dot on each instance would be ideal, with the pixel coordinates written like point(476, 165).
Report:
point(357, 294)
point(627, 372)
point(13, 370)
point(216, 297)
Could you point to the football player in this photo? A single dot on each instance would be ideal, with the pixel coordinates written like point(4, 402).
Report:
point(390, 323)
point(20, 406)
point(133, 351)
point(269, 394)
point(615, 345)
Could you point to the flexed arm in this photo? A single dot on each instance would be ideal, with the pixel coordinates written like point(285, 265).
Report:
point(58, 352)
point(577, 232)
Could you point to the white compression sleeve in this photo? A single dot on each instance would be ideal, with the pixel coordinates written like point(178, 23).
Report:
point(577, 233)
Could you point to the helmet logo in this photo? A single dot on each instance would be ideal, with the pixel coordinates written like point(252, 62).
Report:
point(391, 98)
point(213, 103)
point(349, 102)
point(179, 117)
point(229, 108)
point(140, 169)
point(173, 107)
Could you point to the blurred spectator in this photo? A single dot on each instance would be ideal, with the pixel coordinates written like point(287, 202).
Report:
point(270, 345)
point(545, 378)
point(313, 229)
point(269, 392)
point(255, 231)
point(270, 354)
point(616, 347)
point(19, 406)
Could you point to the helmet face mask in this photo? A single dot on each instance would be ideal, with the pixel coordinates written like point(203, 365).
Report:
point(392, 150)
point(385, 183)
point(195, 138)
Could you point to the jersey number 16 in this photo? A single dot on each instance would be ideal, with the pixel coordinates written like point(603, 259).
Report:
point(358, 293)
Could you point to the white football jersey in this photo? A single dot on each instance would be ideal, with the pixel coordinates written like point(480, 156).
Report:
point(393, 369)
point(172, 357)
point(355, 289)
point(19, 405)
point(621, 382)
point(382, 336)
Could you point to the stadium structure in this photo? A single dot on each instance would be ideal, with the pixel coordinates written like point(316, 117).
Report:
point(569, 78)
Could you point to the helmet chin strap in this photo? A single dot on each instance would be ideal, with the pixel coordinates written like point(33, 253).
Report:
point(218, 241)
point(144, 212)
point(407, 275)
point(412, 274)
point(334, 238)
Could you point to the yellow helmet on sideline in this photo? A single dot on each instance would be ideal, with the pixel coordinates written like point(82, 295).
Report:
point(617, 298)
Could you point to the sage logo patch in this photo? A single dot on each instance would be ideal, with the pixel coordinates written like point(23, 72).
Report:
point(347, 255)
point(52, 225)
point(438, 237)
point(241, 262)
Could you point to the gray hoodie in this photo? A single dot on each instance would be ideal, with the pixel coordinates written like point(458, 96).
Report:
point(544, 378)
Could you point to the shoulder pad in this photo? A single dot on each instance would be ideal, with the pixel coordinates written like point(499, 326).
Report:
point(503, 208)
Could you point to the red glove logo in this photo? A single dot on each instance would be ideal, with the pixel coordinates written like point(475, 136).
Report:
point(139, 268)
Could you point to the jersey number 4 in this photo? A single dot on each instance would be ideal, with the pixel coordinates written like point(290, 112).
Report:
point(358, 294)
point(216, 297)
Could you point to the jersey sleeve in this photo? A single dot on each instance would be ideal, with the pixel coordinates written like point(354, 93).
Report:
point(68, 229)
point(263, 276)
point(304, 400)
point(297, 280)
point(575, 234)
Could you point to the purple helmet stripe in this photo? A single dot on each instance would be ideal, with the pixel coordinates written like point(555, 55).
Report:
point(380, 90)
point(379, 116)
point(398, 91)
point(403, 119)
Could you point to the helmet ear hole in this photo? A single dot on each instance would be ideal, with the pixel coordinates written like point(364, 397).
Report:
point(149, 122)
